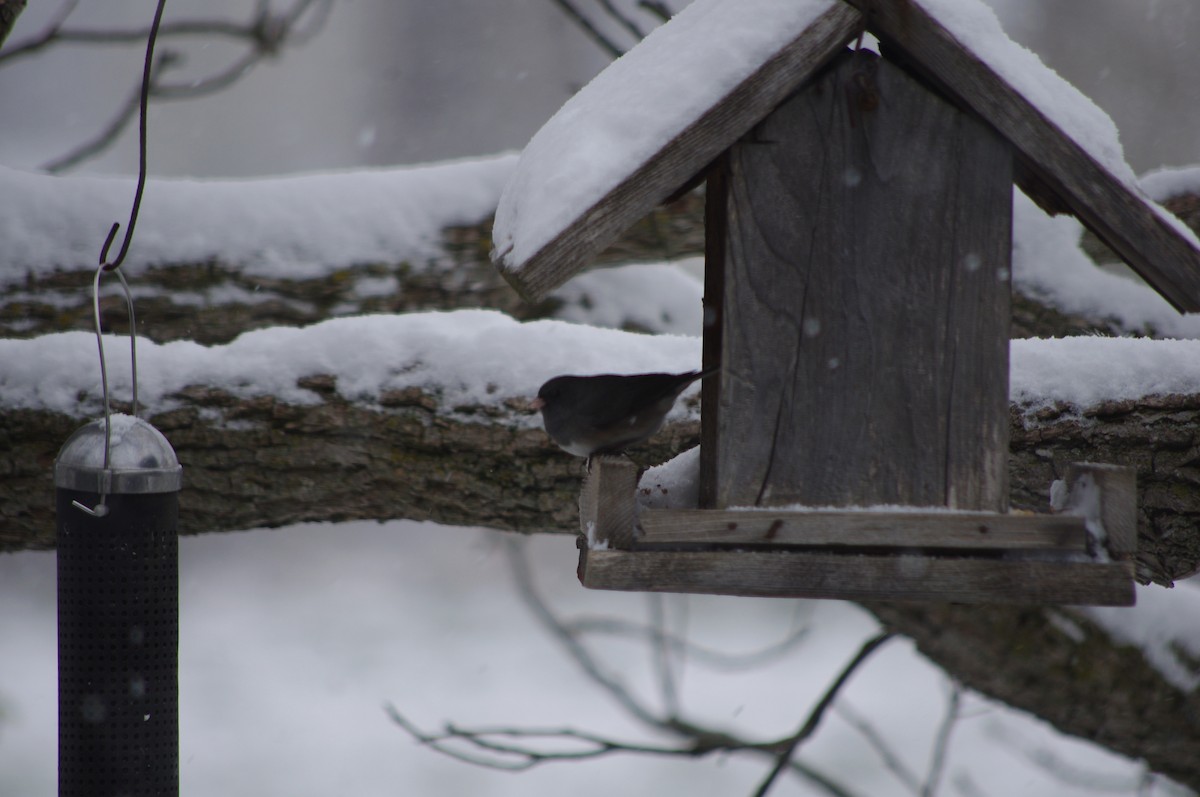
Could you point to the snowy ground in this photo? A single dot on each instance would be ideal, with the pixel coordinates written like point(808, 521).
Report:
point(292, 642)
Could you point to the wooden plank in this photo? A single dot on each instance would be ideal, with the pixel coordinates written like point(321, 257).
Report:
point(846, 577)
point(866, 315)
point(943, 530)
point(608, 501)
point(1121, 217)
point(685, 156)
point(715, 201)
point(1115, 506)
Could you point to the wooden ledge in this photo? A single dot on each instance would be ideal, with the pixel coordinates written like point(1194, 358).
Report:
point(793, 574)
point(1081, 556)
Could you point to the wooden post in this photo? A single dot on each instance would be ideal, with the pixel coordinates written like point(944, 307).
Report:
point(608, 502)
point(1113, 503)
point(866, 301)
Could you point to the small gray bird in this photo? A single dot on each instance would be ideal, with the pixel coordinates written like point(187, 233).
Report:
point(605, 414)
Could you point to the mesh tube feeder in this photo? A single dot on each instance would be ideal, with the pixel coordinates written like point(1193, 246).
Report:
point(117, 482)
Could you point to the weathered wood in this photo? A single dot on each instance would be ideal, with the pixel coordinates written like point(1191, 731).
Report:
point(715, 240)
point(866, 311)
point(1049, 159)
point(607, 502)
point(686, 155)
point(1116, 504)
point(875, 529)
point(813, 575)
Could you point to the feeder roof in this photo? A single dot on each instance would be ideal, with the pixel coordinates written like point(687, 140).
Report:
point(660, 114)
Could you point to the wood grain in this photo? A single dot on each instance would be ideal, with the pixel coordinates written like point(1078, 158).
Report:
point(866, 301)
point(915, 530)
point(607, 501)
point(1049, 159)
point(885, 578)
point(686, 155)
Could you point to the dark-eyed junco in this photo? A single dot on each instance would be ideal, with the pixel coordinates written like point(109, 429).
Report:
point(604, 414)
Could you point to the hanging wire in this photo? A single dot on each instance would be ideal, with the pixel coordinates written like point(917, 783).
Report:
point(101, 509)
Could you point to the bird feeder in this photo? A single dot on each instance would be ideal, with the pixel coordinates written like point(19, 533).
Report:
point(857, 298)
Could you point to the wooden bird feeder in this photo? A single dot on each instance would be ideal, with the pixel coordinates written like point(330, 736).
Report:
point(858, 244)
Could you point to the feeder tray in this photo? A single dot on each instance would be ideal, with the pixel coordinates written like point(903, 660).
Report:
point(1080, 556)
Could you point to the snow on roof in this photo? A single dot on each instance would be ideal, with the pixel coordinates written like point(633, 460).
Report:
point(975, 25)
point(297, 226)
point(648, 96)
point(574, 167)
point(621, 119)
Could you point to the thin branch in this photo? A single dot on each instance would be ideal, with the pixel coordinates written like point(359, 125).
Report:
point(9, 11)
point(937, 763)
point(890, 760)
point(267, 33)
point(664, 663)
point(513, 757)
point(702, 741)
point(617, 626)
point(509, 748)
point(591, 30)
point(657, 8)
point(257, 32)
point(569, 641)
point(818, 712)
point(625, 22)
point(110, 133)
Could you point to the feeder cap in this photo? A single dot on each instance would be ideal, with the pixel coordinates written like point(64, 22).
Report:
point(140, 459)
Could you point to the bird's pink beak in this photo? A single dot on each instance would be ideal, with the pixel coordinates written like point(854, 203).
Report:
point(538, 403)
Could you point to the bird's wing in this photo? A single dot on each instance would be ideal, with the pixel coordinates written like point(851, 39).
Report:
point(645, 393)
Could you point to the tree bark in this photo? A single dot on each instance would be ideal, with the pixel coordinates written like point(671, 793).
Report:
point(261, 462)
point(214, 302)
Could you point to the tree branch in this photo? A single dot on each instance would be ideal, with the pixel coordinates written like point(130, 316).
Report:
point(507, 748)
point(937, 761)
point(580, 19)
point(9, 11)
point(813, 721)
point(267, 33)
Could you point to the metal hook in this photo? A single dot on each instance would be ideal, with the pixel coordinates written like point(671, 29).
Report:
point(101, 509)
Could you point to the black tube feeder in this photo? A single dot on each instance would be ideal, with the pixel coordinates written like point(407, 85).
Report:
point(117, 484)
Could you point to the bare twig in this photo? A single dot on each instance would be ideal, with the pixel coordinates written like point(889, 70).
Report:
point(664, 662)
point(9, 11)
point(513, 748)
point(263, 29)
point(266, 33)
point(502, 750)
point(890, 760)
point(657, 8)
point(702, 741)
point(717, 659)
point(818, 712)
point(570, 642)
point(594, 33)
point(625, 22)
point(937, 762)
point(510, 748)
